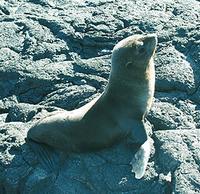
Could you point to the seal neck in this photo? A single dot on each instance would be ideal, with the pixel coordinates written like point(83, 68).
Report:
point(123, 103)
point(120, 88)
point(130, 94)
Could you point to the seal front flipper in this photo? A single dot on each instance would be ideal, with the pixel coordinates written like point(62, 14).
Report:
point(138, 133)
point(139, 138)
point(140, 160)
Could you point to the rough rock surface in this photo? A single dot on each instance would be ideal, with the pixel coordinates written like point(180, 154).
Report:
point(56, 54)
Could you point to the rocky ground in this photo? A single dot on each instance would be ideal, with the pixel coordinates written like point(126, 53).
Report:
point(56, 54)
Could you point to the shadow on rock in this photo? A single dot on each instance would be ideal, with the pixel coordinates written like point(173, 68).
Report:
point(28, 167)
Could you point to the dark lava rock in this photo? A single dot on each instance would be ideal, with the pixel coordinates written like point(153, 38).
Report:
point(55, 54)
point(178, 152)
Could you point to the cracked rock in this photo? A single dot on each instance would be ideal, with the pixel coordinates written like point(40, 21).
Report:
point(178, 153)
point(55, 54)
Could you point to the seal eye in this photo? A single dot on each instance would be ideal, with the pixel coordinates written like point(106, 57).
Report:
point(128, 65)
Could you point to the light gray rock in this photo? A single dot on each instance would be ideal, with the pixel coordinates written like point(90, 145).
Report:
point(166, 116)
point(7, 103)
point(13, 166)
point(22, 112)
point(178, 153)
point(173, 71)
point(56, 54)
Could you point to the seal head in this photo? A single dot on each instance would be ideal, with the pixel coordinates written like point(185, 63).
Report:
point(132, 55)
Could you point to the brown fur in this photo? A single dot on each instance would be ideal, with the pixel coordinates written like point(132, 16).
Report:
point(117, 113)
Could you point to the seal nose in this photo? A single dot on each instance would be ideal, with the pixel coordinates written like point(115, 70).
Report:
point(152, 38)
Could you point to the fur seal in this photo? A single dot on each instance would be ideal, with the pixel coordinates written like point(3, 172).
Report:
point(117, 113)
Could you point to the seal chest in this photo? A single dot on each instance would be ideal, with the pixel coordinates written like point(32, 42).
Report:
point(117, 113)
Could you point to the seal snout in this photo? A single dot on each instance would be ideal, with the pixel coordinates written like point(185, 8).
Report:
point(150, 42)
point(151, 39)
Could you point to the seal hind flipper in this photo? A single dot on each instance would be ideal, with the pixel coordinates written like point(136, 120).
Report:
point(47, 157)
